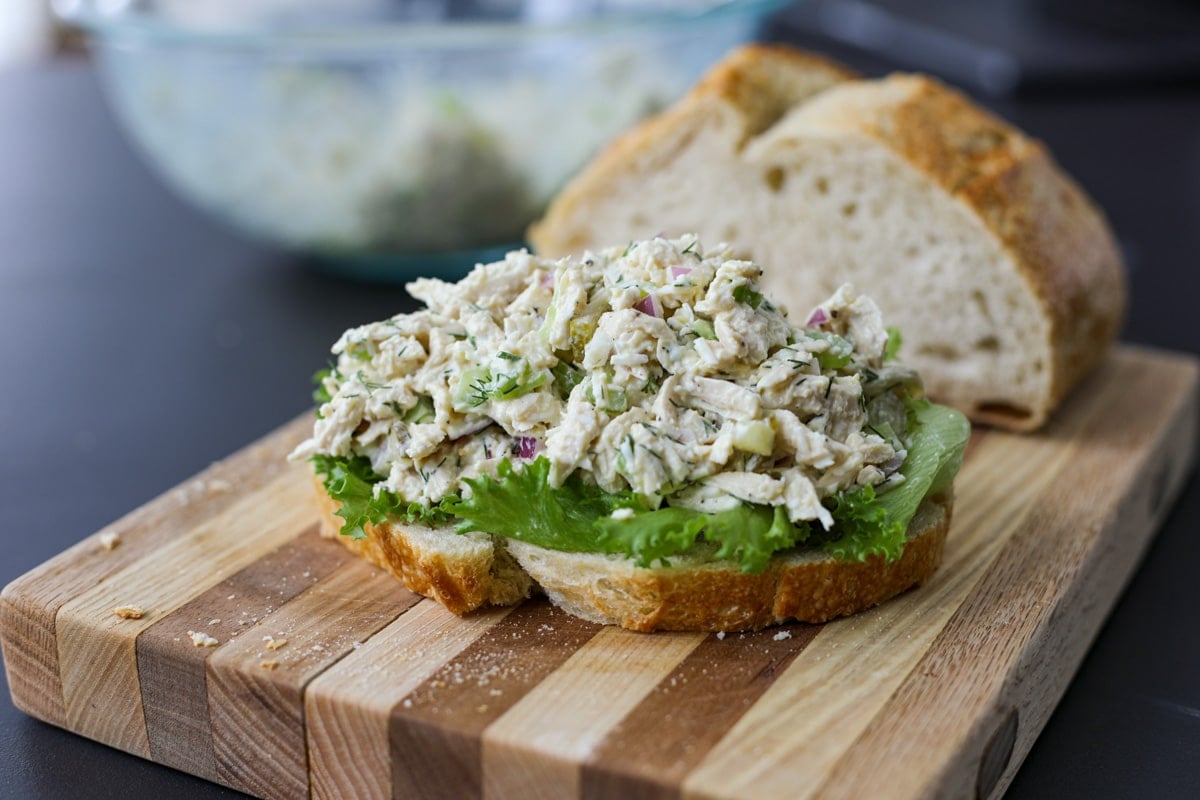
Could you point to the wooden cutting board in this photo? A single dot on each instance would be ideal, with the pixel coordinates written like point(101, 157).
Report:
point(328, 678)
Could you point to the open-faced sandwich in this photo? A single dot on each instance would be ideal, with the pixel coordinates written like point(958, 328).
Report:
point(641, 434)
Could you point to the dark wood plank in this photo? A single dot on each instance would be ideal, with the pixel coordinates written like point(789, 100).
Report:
point(648, 754)
point(435, 731)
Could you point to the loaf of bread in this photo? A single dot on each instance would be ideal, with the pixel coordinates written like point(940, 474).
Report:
point(1001, 273)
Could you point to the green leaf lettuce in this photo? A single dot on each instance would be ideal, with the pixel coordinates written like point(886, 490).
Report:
point(578, 516)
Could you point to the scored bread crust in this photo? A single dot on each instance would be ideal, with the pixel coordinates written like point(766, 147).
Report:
point(467, 571)
point(1057, 240)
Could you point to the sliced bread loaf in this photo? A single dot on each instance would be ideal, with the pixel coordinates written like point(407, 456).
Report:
point(1002, 275)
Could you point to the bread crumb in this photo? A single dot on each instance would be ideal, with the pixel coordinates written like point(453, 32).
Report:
point(779, 637)
point(202, 639)
point(109, 540)
point(721, 635)
point(214, 622)
point(128, 612)
point(482, 708)
point(273, 643)
point(268, 663)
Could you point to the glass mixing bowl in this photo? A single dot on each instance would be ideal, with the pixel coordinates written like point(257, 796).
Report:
point(393, 138)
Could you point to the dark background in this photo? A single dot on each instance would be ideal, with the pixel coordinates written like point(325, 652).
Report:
point(140, 341)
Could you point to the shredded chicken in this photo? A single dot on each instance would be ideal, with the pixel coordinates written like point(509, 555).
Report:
point(656, 367)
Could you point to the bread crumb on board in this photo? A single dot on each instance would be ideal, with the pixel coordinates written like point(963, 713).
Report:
point(129, 612)
point(109, 540)
point(273, 643)
point(269, 663)
point(202, 639)
point(779, 637)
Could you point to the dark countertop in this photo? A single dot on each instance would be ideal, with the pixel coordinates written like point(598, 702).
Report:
point(140, 341)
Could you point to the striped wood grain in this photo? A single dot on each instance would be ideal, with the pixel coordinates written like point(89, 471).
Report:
point(258, 712)
point(436, 731)
point(853, 668)
point(937, 693)
point(348, 707)
point(171, 670)
point(536, 749)
point(31, 603)
point(1015, 642)
point(96, 652)
point(659, 742)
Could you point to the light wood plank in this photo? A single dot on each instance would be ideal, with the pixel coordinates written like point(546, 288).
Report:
point(535, 750)
point(97, 649)
point(29, 605)
point(347, 709)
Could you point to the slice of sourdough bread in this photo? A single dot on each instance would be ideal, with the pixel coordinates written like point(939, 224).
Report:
point(461, 571)
point(696, 593)
point(1000, 272)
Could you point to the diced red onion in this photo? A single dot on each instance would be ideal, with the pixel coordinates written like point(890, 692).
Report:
point(679, 272)
point(649, 305)
point(528, 447)
point(817, 317)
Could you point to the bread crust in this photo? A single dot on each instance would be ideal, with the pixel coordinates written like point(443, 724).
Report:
point(718, 596)
point(1057, 238)
point(699, 596)
point(461, 581)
